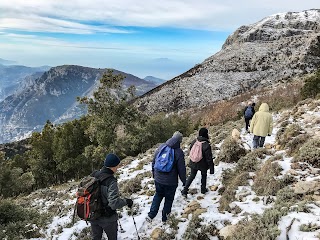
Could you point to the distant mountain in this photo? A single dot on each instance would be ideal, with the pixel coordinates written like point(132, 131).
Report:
point(277, 48)
point(6, 62)
point(154, 80)
point(12, 76)
point(52, 96)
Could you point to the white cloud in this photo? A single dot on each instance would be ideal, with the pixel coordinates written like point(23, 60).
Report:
point(46, 24)
point(198, 14)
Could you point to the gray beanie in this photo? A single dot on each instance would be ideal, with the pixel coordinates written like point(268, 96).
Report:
point(178, 135)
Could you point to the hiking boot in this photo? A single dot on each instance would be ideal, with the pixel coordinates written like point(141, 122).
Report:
point(203, 191)
point(148, 219)
point(184, 193)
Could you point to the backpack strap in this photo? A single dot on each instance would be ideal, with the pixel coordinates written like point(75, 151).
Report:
point(105, 179)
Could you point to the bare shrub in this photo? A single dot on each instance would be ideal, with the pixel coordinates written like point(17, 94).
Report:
point(265, 182)
point(294, 144)
point(310, 153)
point(276, 157)
point(255, 229)
point(310, 227)
point(285, 195)
point(231, 181)
point(250, 162)
point(231, 151)
point(196, 230)
point(286, 134)
point(127, 187)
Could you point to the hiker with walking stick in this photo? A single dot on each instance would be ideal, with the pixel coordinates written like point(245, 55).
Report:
point(110, 199)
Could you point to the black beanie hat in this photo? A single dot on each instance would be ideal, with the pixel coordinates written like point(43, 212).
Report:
point(203, 132)
point(111, 160)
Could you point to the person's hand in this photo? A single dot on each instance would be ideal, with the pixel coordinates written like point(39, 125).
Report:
point(269, 135)
point(129, 202)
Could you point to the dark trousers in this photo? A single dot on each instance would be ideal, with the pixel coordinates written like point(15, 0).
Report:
point(192, 177)
point(162, 191)
point(247, 120)
point(100, 225)
point(258, 141)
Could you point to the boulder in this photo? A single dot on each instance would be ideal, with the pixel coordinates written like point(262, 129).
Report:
point(227, 231)
point(156, 233)
point(305, 187)
point(199, 211)
point(213, 187)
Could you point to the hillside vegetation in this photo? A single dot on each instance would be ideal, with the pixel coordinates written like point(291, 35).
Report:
point(269, 193)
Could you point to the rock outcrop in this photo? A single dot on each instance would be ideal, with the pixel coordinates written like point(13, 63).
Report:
point(277, 48)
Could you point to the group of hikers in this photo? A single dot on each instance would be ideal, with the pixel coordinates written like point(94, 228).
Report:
point(168, 164)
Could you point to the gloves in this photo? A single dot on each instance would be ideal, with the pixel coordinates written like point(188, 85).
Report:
point(269, 135)
point(129, 202)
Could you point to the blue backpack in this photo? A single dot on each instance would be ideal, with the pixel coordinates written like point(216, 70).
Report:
point(164, 159)
point(248, 113)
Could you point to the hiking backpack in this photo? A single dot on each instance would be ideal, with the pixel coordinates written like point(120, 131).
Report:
point(164, 159)
point(248, 113)
point(89, 204)
point(196, 152)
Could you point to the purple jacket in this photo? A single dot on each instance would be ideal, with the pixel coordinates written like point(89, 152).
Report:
point(179, 166)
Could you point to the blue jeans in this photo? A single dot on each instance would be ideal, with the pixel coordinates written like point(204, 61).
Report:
point(162, 191)
point(258, 141)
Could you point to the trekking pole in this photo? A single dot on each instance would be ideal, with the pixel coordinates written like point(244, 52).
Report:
point(121, 229)
point(135, 225)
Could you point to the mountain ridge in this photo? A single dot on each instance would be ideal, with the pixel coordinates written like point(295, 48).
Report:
point(242, 64)
point(52, 96)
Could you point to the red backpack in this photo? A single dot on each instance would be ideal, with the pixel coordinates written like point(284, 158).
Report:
point(89, 204)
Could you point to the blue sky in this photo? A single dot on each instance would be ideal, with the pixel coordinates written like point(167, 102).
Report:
point(160, 38)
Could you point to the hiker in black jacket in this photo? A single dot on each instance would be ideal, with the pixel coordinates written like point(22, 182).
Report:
point(203, 165)
point(248, 114)
point(110, 199)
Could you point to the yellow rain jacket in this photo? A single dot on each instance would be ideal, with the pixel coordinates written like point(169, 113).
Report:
point(261, 123)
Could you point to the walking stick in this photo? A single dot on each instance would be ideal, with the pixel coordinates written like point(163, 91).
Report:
point(135, 225)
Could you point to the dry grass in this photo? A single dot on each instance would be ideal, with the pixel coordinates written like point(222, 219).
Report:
point(281, 96)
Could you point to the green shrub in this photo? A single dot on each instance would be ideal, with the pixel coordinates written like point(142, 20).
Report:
point(231, 151)
point(129, 186)
point(156, 129)
point(286, 134)
point(265, 182)
point(195, 230)
point(311, 87)
point(255, 229)
point(17, 222)
point(310, 153)
point(294, 144)
point(231, 181)
point(285, 195)
point(310, 227)
point(250, 162)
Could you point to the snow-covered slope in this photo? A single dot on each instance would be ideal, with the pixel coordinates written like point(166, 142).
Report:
point(277, 48)
point(246, 203)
